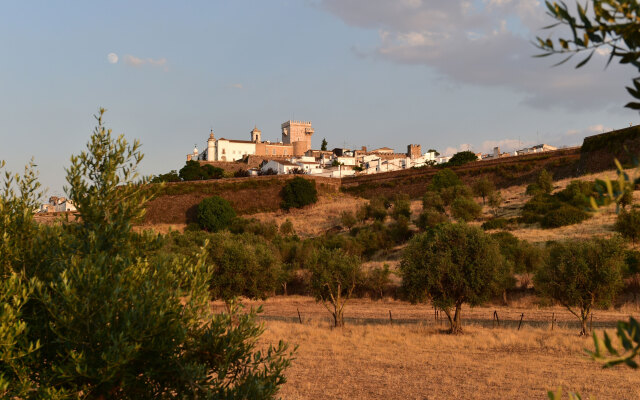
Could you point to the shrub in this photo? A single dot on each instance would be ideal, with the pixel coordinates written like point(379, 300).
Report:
point(297, 193)
point(465, 209)
point(334, 275)
point(484, 188)
point(401, 207)
point(582, 274)
point(215, 213)
point(376, 209)
point(399, 230)
point(543, 184)
point(565, 215)
point(628, 225)
point(495, 223)
point(495, 200)
point(241, 173)
point(286, 228)
point(443, 179)
point(432, 201)
point(377, 279)
point(462, 158)
point(243, 265)
point(268, 230)
point(430, 218)
point(348, 219)
point(268, 171)
point(451, 264)
point(451, 193)
point(193, 171)
point(171, 176)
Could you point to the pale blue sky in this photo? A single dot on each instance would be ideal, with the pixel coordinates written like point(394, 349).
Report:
point(441, 73)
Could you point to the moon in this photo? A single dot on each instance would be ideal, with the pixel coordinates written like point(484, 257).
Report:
point(112, 58)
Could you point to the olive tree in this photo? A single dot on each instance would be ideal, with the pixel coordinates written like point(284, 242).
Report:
point(334, 276)
point(484, 188)
point(97, 315)
point(581, 274)
point(451, 264)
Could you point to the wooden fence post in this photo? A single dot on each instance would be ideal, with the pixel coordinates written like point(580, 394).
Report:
point(299, 317)
point(553, 319)
point(495, 314)
point(390, 318)
point(521, 318)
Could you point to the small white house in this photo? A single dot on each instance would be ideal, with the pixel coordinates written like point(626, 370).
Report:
point(282, 167)
point(64, 206)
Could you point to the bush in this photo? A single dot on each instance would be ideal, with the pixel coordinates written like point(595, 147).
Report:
point(286, 228)
point(377, 279)
point(432, 201)
point(297, 193)
point(215, 213)
point(401, 207)
point(347, 219)
point(543, 184)
point(399, 230)
point(243, 265)
point(241, 173)
point(194, 171)
point(268, 230)
point(495, 223)
point(465, 209)
point(628, 225)
point(451, 265)
point(449, 194)
point(430, 218)
point(443, 179)
point(171, 176)
point(462, 158)
point(376, 209)
point(563, 216)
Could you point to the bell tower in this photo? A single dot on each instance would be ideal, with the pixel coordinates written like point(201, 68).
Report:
point(256, 135)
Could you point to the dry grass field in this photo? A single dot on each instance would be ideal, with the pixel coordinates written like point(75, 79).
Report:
point(421, 361)
point(317, 219)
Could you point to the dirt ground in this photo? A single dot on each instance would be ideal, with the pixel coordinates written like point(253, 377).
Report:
point(421, 361)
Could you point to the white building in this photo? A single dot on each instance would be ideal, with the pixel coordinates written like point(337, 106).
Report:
point(282, 167)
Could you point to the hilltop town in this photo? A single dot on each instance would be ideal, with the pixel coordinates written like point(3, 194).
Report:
point(294, 155)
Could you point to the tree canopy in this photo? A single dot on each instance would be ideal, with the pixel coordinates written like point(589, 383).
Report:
point(451, 264)
point(612, 25)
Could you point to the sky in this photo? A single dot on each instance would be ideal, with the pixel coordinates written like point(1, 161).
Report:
point(447, 74)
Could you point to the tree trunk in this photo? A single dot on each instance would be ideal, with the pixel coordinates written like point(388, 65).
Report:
point(455, 322)
point(338, 317)
point(583, 329)
point(504, 297)
point(456, 328)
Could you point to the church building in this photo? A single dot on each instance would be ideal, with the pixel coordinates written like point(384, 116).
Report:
point(296, 140)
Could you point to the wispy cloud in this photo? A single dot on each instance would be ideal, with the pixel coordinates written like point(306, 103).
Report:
point(236, 86)
point(483, 42)
point(139, 62)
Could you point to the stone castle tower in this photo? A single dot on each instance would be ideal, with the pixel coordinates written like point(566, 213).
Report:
point(297, 133)
point(414, 151)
